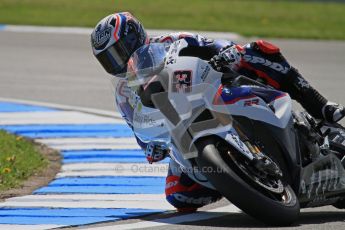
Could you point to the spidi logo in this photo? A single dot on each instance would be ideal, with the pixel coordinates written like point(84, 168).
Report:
point(273, 65)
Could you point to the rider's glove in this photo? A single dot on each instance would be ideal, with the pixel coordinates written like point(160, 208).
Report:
point(156, 151)
point(227, 59)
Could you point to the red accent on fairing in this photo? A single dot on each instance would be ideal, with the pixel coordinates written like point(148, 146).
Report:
point(280, 96)
point(261, 74)
point(173, 185)
point(218, 100)
point(267, 47)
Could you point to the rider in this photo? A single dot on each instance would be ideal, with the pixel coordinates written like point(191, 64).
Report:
point(117, 36)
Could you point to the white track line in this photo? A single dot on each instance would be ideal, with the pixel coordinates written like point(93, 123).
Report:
point(88, 140)
point(88, 31)
point(90, 197)
point(143, 201)
point(47, 29)
point(93, 146)
point(59, 117)
point(146, 204)
point(67, 107)
point(162, 205)
point(79, 167)
point(90, 143)
point(116, 169)
point(210, 214)
point(29, 227)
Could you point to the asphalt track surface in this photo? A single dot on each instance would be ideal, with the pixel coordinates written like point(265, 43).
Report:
point(59, 68)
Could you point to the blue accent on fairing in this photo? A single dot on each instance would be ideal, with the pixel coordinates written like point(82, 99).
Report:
point(83, 130)
point(68, 216)
point(2, 27)
point(229, 94)
point(268, 95)
point(106, 185)
point(127, 109)
point(6, 107)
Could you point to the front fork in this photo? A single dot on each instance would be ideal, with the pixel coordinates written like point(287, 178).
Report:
point(252, 152)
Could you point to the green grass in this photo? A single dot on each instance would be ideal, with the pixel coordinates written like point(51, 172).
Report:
point(18, 160)
point(291, 19)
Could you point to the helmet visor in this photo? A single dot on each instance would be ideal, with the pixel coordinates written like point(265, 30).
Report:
point(114, 59)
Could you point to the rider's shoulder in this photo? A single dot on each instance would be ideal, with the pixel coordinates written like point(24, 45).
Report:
point(172, 37)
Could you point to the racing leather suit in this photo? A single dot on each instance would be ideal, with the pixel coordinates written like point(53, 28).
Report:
point(261, 60)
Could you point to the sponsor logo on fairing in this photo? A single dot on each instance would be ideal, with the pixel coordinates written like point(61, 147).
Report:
point(182, 81)
point(251, 102)
point(205, 73)
point(273, 65)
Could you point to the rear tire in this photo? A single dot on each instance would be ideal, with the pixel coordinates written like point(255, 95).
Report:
point(240, 193)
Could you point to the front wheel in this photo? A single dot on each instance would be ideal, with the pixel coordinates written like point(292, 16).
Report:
point(275, 207)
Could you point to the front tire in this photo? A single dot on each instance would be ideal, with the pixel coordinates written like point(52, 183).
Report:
point(242, 194)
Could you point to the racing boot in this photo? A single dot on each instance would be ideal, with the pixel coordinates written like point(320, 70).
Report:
point(333, 112)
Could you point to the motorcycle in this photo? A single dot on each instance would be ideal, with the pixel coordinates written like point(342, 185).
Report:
point(233, 134)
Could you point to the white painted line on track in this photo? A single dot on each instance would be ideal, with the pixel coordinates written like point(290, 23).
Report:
point(108, 146)
point(58, 117)
point(145, 204)
point(162, 205)
point(67, 107)
point(29, 227)
point(47, 29)
point(90, 197)
point(90, 143)
point(88, 31)
point(143, 201)
point(88, 140)
point(116, 169)
point(198, 216)
point(79, 167)
point(93, 146)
